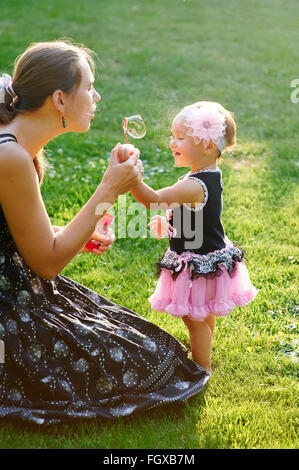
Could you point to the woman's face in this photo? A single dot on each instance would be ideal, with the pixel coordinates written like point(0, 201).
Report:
point(80, 106)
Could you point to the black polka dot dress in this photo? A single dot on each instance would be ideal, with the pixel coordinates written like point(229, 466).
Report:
point(68, 353)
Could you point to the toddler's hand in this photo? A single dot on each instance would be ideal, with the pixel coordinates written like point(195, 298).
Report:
point(158, 226)
point(124, 152)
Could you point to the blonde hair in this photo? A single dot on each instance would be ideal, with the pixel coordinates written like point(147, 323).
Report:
point(230, 130)
point(43, 68)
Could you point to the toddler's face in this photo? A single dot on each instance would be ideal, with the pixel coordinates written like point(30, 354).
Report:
point(183, 147)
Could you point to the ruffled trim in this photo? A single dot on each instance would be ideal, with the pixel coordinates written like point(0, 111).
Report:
point(200, 313)
point(206, 265)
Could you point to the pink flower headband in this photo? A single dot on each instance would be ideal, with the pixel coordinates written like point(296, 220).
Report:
point(6, 85)
point(206, 124)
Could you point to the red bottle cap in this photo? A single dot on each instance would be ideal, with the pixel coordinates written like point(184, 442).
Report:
point(90, 246)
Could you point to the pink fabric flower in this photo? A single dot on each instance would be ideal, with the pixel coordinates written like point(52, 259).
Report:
point(5, 81)
point(205, 123)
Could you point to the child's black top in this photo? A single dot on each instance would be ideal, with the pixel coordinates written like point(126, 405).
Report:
point(196, 235)
point(206, 219)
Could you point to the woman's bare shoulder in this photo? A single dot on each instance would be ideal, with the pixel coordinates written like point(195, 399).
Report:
point(12, 154)
point(15, 164)
point(16, 169)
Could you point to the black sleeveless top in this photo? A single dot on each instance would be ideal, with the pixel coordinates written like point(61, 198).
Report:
point(7, 138)
point(196, 236)
point(199, 230)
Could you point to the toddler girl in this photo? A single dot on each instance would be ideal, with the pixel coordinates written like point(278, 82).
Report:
point(202, 274)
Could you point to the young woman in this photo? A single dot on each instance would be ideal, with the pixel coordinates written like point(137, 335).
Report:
point(69, 352)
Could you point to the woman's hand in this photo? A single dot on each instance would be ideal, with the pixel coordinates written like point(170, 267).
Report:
point(121, 177)
point(125, 151)
point(158, 226)
point(103, 240)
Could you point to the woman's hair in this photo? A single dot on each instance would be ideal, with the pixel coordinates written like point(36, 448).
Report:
point(230, 129)
point(43, 68)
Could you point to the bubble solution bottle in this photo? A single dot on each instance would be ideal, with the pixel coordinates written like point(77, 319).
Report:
point(101, 228)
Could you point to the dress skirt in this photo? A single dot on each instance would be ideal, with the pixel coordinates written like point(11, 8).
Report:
point(74, 354)
point(214, 283)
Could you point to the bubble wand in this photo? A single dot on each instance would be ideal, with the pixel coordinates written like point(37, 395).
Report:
point(101, 228)
point(135, 127)
point(125, 128)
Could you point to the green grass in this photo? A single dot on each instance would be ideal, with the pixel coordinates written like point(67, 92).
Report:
point(156, 57)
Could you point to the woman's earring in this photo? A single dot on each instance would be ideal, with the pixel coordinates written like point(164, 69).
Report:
point(63, 122)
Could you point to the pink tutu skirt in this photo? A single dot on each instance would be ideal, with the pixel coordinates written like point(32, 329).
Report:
point(199, 298)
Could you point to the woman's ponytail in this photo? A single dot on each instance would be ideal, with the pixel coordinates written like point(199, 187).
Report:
point(7, 108)
point(42, 69)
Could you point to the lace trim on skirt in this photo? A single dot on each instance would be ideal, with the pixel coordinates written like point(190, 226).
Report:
point(207, 265)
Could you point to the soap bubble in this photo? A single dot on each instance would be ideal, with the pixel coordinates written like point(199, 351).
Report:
point(134, 126)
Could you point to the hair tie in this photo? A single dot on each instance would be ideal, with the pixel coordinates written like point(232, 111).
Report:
point(6, 85)
point(206, 124)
